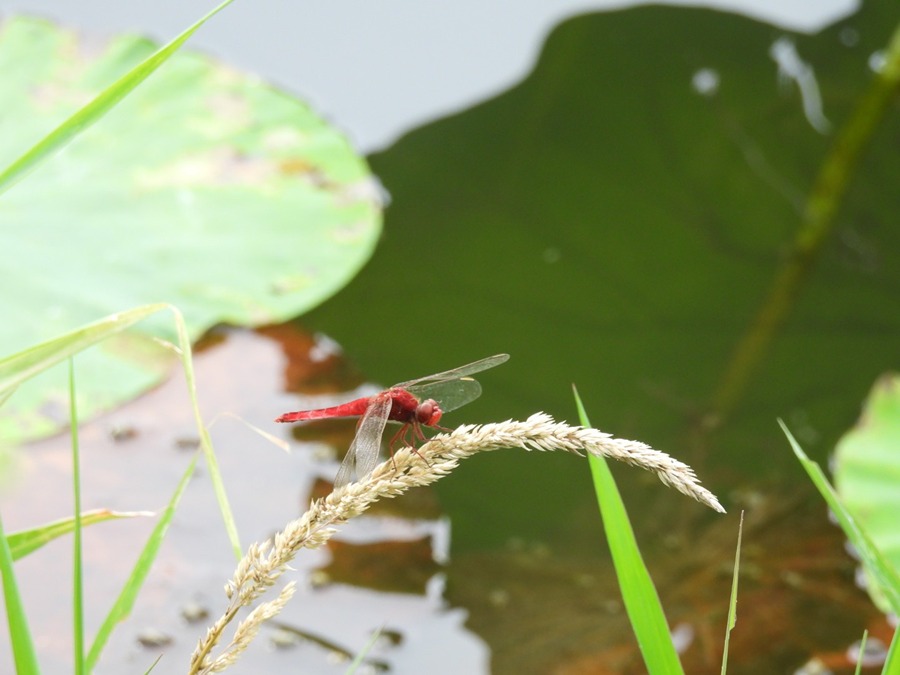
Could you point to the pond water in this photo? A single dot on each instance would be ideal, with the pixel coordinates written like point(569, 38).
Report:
point(513, 599)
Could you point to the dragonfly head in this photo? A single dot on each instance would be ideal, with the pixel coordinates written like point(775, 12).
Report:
point(428, 412)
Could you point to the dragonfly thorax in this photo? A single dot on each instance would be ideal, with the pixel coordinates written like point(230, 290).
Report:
point(428, 412)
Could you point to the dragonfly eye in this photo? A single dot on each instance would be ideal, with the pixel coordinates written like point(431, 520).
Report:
point(429, 413)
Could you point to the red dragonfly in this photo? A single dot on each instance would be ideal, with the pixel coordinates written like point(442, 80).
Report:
point(416, 403)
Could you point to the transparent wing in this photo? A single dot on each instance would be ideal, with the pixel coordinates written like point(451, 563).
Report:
point(449, 395)
point(457, 373)
point(362, 456)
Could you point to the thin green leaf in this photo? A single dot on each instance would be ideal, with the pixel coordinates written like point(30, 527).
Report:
point(184, 342)
point(360, 657)
point(892, 662)
point(21, 366)
point(19, 634)
point(23, 542)
point(882, 572)
point(153, 665)
point(77, 560)
point(862, 652)
point(57, 139)
point(638, 592)
point(732, 604)
point(124, 603)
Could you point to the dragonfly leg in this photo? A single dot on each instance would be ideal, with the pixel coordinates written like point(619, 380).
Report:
point(409, 433)
point(417, 434)
point(400, 435)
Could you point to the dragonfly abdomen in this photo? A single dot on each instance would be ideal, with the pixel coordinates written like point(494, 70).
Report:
point(350, 409)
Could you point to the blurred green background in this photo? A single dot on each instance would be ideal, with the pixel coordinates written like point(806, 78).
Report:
point(608, 224)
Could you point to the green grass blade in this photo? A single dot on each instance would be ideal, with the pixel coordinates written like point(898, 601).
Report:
point(360, 657)
point(882, 571)
point(638, 592)
point(892, 662)
point(23, 542)
point(21, 366)
point(215, 475)
point(862, 652)
point(97, 108)
point(153, 665)
point(732, 604)
point(124, 603)
point(19, 635)
point(77, 560)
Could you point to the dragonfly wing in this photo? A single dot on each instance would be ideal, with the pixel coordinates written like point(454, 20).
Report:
point(449, 395)
point(347, 470)
point(457, 373)
point(362, 456)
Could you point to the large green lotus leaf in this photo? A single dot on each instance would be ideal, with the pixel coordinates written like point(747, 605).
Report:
point(617, 219)
point(206, 188)
point(867, 469)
